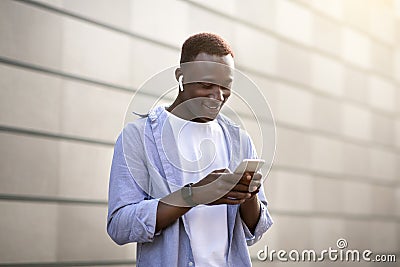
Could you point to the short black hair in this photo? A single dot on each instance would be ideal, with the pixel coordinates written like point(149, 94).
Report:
point(208, 43)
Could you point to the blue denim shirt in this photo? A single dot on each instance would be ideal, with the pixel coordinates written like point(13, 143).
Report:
point(139, 180)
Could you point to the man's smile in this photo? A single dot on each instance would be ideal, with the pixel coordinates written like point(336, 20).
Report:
point(212, 107)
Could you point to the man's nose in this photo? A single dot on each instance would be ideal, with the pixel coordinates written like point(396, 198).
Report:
point(217, 93)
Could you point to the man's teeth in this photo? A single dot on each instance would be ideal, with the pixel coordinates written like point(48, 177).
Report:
point(212, 107)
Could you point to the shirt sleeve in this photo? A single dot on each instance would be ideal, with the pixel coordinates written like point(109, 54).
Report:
point(265, 221)
point(131, 214)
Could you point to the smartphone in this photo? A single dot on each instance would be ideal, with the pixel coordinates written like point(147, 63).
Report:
point(250, 165)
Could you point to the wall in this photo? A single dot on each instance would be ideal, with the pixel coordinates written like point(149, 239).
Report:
point(331, 73)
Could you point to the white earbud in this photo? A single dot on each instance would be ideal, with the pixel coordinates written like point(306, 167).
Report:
point(180, 83)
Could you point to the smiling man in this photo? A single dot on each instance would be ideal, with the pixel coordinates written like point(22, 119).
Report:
point(171, 189)
point(208, 79)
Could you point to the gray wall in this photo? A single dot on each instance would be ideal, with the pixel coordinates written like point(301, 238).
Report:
point(330, 70)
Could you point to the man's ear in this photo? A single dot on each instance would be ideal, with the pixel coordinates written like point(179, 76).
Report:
point(178, 72)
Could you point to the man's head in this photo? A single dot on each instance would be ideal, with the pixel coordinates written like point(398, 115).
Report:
point(208, 43)
point(207, 68)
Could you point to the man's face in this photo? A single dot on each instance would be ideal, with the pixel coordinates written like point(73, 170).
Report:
point(207, 85)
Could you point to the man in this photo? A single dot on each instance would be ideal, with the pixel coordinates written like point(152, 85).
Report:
point(171, 188)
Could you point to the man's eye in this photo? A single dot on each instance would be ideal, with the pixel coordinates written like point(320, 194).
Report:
point(206, 85)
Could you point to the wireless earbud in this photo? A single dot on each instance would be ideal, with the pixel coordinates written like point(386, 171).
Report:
point(180, 83)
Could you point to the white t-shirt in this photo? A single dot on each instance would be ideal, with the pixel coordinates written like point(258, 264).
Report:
point(202, 148)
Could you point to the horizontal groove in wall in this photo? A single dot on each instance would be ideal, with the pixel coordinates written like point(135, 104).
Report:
point(335, 215)
point(315, 91)
point(71, 263)
point(45, 70)
point(311, 214)
point(33, 67)
point(39, 133)
point(339, 137)
point(50, 199)
point(343, 23)
point(263, 30)
point(97, 23)
point(319, 132)
point(335, 176)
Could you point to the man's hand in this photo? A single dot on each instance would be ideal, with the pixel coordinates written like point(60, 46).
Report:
point(252, 181)
point(223, 187)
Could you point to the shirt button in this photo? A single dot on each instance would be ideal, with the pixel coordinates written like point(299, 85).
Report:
point(190, 263)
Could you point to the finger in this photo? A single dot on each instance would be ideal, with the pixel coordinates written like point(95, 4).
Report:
point(255, 192)
point(241, 188)
point(253, 188)
point(244, 181)
point(246, 177)
point(238, 195)
point(217, 186)
point(255, 184)
point(216, 180)
point(257, 176)
point(230, 179)
point(231, 201)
